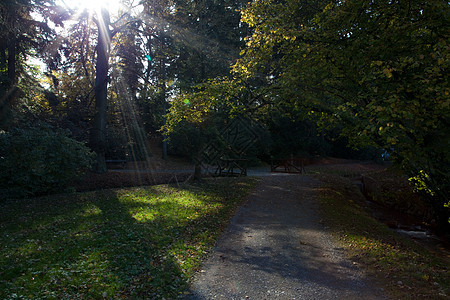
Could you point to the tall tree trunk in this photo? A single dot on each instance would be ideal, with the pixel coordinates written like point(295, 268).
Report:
point(12, 78)
point(10, 88)
point(98, 131)
point(198, 161)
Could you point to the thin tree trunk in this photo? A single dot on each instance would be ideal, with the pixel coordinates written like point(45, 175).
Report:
point(198, 171)
point(164, 103)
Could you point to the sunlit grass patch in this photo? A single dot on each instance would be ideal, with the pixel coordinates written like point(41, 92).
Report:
point(91, 210)
point(405, 269)
point(141, 242)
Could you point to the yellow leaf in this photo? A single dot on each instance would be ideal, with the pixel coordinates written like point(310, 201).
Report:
point(387, 72)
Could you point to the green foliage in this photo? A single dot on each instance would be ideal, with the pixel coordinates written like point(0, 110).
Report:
point(209, 115)
point(116, 143)
point(377, 70)
point(393, 80)
point(294, 136)
point(39, 160)
point(209, 37)
point(27, 27)
point(187, 140)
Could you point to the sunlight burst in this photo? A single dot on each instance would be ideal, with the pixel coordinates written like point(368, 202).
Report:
point(94, 5)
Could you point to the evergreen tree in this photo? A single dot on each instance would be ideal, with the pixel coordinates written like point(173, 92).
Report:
point(26, 29)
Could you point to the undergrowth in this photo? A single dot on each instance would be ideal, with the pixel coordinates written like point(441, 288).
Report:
point(406, 269)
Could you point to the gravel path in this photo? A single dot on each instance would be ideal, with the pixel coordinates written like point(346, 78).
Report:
point(276, 248)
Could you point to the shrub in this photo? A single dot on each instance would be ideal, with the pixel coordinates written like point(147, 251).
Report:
point(39, 160)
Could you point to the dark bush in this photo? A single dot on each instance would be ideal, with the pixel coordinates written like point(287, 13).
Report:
point(39, 160)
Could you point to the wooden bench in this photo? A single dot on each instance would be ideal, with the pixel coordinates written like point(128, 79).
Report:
point(117, 162)
point(290, 165)
point(231, 167)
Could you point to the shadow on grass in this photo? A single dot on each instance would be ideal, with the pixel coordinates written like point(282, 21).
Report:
point(138, 243)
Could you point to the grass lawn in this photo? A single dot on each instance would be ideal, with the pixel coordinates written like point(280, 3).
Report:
point(141, 242)
point(405, 269)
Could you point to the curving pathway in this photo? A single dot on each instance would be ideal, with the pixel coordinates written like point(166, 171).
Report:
point(276, 248)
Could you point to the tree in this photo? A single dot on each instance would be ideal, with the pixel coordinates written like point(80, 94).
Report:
point(160, 47)
point(97, 137)
point(22, 35)
point(70, 77)
point(74, 64)
point(98, 131)
point(377, 69)
point(208, 37)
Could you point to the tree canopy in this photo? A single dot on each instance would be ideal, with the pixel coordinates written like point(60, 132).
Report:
point(377, 70)
point(373, 73)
